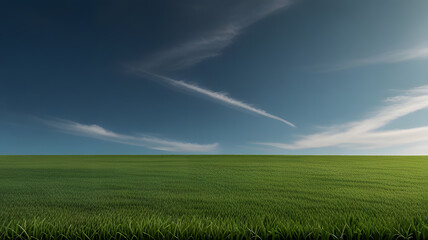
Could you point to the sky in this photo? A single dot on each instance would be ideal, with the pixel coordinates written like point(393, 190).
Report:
point(214, 77)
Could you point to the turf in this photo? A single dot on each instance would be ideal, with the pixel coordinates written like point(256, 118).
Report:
point(213, 197)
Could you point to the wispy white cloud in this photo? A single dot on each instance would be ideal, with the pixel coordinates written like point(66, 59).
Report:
point(219, 96)
point(363, 135)
point(415, 149)
point(98, 132)
point(210, 43)
point(417, 53)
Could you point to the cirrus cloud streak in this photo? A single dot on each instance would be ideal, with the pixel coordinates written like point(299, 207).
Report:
point(417, 53)
point(364, 134)
point(219, 96)
point(98, 132)
point(210, 43)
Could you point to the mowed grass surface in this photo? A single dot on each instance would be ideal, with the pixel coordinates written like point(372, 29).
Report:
point(213, 197)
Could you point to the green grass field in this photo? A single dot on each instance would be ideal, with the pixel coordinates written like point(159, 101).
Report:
point(213, 197)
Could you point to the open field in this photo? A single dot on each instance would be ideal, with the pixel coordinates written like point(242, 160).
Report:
point(213, 197)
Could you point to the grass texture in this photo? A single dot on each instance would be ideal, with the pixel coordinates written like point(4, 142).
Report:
point(213, 197)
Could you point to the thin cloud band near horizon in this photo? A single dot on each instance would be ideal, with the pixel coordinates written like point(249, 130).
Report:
point(364, 134)
point(140, 140)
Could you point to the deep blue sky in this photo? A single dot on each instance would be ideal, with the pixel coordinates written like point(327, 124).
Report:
point(222, 77)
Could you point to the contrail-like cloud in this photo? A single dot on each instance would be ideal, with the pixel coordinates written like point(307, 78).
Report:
point(219, 96)
point(98, 132)
point(364, 134)
point(418, 53)
point(210, 43)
